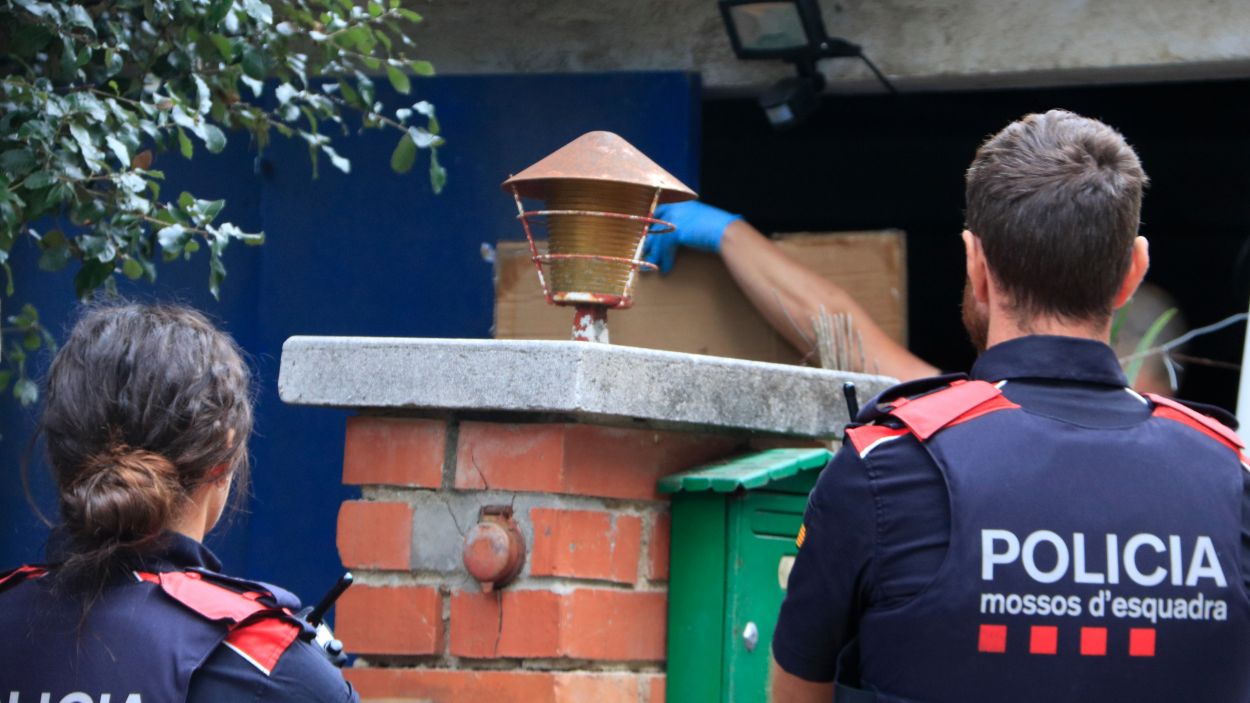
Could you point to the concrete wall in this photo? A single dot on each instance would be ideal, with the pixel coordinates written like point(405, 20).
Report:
point(923, 44)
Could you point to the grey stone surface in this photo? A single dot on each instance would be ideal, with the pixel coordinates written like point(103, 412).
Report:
point(582, 381)
point(922, 44)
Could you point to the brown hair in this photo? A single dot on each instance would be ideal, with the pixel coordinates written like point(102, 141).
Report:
point(1055, 200)
point(140, 406)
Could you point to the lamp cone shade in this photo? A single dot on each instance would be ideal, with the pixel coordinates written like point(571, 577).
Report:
point(599, 172)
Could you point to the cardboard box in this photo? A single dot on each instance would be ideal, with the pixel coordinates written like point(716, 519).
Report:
point(699, 309)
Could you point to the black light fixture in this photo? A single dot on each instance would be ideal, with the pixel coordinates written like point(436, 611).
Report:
point(791, 31)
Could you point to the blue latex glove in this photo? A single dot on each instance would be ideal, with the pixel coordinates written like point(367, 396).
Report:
point(699, 226)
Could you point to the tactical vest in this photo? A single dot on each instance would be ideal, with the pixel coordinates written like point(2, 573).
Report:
point(141, 641)
point(1084, 564)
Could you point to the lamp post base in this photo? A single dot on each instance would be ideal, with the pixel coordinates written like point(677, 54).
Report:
point(590, 324)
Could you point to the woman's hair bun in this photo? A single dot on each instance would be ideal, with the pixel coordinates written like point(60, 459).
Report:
point(124, 496)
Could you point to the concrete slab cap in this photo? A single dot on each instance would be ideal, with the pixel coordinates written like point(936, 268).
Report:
point(605, 384)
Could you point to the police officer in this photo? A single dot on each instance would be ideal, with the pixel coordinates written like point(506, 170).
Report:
point(1035, 531)
point(146, 419)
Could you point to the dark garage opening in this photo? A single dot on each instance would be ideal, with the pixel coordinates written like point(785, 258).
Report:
point(872, 162)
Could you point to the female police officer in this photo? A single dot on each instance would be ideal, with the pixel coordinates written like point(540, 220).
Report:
point(146, 420)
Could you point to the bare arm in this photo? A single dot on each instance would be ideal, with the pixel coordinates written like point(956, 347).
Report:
point(787, 293)
point(788, 688)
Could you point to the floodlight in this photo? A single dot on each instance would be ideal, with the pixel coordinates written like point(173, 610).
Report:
point(791, 31)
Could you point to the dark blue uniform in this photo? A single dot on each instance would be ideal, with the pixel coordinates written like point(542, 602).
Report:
point(172, 630)
point(1037, 533)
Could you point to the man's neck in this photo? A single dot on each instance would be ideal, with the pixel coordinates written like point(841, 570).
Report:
point(1004, 327)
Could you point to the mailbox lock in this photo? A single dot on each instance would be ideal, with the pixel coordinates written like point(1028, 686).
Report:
point(494, 550)
point(751, 636)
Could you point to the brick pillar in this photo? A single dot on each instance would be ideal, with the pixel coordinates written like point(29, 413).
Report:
point(585, 621)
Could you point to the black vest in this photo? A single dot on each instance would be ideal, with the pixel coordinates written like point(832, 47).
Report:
point(142, 639)
point(1084, 564)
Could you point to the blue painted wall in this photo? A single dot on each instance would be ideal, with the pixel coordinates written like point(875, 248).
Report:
point(367, 254)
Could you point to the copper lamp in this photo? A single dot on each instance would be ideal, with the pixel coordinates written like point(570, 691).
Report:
point(598, 196)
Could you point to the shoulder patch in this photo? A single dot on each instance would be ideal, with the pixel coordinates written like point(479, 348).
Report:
point(1180, 412)
point(878, 407)
point(866, 438)
point(262, 642)
point(256, 631)
point(959, 402)
point(21, 573)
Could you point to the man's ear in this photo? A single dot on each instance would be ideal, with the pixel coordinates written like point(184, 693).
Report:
point(976, 268)
point(1137, 268)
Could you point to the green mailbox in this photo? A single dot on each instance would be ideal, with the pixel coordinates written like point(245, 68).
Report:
point(734, 527)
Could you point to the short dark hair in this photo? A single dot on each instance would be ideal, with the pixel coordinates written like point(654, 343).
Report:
point(142, 403)
point(1055, 199)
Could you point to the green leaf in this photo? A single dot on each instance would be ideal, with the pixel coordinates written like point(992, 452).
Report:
point(438, 174)
point(360, 38)
point(17, 162)
point(90, 276)
point(31, 340)
point(422, 68)
point(217, 12)
point(254, 64)
point(171, 238)
point(225, 46)
point(78, 17)
point(349, 94)
point(399, 80)
point(133, 269)
point(404, 156)
point(214, 138)
point(216, 274)
point(53, 238)
point(5, 378)
point(40, 179)
point(26, 391)
point(184, 144)
point(1147, 342)
point(375, 9)
point(409, 15)
point(119, 150)
point(209, 209)
point(259, 10)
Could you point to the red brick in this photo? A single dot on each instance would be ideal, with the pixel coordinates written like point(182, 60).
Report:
point(390, 620)
point(661, 537)
point(394, 451)
point(578, 459)
point(656, 688)
point(585, 544)
point(528, 626)
point(617, 625)
point(375, 535)
point(623, 463)
point(469, 686)
point(599, 688)
point(584, 624)
point(510, 456)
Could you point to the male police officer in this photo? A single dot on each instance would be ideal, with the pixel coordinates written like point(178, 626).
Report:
point(1038, 531)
